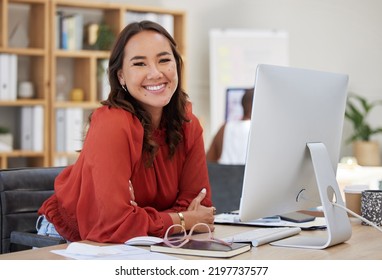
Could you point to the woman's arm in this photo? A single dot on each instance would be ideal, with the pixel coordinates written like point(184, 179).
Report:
point(195, 205)
point(215, 151)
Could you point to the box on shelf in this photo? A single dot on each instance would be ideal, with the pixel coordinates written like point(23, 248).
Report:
point(6, 142)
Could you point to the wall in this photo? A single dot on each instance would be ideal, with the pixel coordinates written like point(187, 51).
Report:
point(330, 35)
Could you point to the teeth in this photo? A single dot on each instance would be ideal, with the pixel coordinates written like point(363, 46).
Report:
point(158, 87)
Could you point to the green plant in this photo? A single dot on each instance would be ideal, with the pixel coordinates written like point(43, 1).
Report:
point(357, 111)
point(105, 37)
point(4, 130)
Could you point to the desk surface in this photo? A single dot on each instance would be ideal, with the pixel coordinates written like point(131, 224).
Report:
point(365, 243)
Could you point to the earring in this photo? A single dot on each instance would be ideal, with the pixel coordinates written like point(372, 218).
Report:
point(124, 87)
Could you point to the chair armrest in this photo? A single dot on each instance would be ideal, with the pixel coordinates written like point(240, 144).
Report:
point(34, 240)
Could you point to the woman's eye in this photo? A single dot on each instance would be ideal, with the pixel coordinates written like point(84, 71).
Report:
point(138, 64)
point(164, 60)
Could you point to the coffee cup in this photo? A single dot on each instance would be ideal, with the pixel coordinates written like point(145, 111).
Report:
point(380, 185)
point(371, 206)
point(353, 197)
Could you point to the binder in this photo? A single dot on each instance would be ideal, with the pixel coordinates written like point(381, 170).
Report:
point(38, 128)
point(73, 129)
point(104, 80)
point(166, 20)
point(60, 130)
point(26, 128)
point(12, 94)
point(4, 76)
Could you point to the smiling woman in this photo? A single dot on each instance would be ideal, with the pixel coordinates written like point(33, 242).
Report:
point(149, 72)
point(142, 168)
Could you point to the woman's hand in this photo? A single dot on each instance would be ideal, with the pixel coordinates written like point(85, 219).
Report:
point(197, 213)
point(131, 189)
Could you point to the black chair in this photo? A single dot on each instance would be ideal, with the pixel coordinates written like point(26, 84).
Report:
point(22, 192)
point(226, 184)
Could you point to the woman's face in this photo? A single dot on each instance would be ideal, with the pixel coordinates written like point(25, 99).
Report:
point(149, 70)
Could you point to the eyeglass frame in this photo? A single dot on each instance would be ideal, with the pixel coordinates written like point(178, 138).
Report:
point(169, 241)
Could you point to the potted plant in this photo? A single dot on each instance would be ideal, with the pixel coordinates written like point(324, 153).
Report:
point(365, 149)
point(6, 139)
point(105, 37)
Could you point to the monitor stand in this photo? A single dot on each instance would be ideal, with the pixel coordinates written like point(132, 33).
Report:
point(337, 221)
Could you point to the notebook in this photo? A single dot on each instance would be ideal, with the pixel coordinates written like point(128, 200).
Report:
point(203, 249)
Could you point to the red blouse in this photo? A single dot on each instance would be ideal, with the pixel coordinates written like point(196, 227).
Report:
point(92, 198)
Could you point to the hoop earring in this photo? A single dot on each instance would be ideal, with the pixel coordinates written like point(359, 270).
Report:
point(124, 88)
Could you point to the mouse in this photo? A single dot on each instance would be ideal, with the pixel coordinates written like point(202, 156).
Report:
point(144, 240)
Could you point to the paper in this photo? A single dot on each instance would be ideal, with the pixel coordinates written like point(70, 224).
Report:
point(82, 251)
point(90, 250)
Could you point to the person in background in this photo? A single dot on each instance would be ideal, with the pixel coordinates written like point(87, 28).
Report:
point(229, 146)
point(142, 168)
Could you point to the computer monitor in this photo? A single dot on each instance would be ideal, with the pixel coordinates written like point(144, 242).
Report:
point(233, 107)
point(293, 149)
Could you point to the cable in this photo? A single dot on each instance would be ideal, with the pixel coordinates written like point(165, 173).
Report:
point(357, 216)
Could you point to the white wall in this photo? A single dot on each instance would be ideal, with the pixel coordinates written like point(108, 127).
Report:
point(330, 35)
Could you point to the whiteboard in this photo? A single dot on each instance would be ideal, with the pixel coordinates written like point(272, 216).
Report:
point(234, 56)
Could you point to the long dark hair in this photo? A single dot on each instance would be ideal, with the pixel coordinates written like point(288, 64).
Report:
point(174, 113)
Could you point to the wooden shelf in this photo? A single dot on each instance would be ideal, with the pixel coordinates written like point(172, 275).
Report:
point(24, 51)
point(33, 66)
point(72, 104)
point(23, 102)
point(82, 54)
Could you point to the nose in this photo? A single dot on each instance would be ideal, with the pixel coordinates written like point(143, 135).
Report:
point(154, 72)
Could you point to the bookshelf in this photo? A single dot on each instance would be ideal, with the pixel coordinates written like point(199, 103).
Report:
point(30, 47)
point(58, 70)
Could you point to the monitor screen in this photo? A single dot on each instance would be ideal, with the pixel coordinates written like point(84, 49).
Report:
point(292, 109)
point(233, 107)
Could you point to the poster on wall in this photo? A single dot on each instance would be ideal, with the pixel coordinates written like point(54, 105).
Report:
point(234, 56)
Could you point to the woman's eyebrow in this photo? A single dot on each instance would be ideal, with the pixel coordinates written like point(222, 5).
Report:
point(163, 53)
point(140, 57)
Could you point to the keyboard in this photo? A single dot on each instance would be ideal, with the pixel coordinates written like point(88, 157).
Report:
point(263, 235)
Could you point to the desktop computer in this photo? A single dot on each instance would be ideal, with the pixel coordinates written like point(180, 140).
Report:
point(293, 150)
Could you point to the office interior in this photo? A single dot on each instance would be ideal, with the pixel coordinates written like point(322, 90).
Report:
point(338, 36)
point(329, 35)
point(335, 36)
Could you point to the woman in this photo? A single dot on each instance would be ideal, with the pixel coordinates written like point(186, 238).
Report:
point(142, 167)
point(229, 146)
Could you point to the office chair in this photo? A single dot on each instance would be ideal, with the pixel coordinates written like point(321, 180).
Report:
point(22, 192)
point(226, 184)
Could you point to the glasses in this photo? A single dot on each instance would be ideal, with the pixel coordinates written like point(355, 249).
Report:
point(179, 241)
